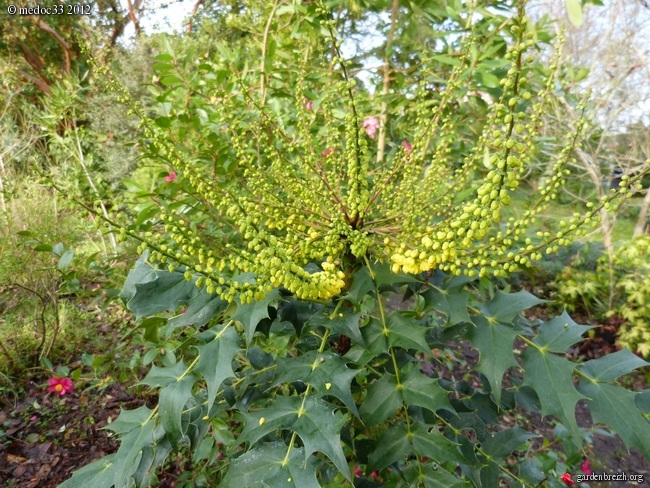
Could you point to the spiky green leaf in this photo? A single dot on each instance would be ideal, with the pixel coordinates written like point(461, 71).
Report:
point(362, 284)
point(551, 377)
point(316, 422)
point(327, 372)
point(421, 391)
point(344, 322)
point(98, 474)
point(215, 359)
point(558, 334)
point(265, 466)
point(494, 341)
point(501, 444)
point(406, 333)
point(504, 307)
point(148, 291)
point(392, 446)
point(164, 376)
point(429, 442)
point(200, 310)
point(382, 400)
point(251, 314)
point(615, 407)
point(452, 305)
point(172, 401)
point(431, 477)
point(611, 366)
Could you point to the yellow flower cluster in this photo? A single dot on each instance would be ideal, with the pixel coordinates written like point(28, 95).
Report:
point(307, 201)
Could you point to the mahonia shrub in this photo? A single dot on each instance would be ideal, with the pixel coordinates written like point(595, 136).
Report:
point(276, 250)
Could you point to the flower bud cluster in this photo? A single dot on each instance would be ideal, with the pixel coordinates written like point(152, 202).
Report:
point(306, 198)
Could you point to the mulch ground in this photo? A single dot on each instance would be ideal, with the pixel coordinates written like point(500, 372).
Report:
point(49, 437)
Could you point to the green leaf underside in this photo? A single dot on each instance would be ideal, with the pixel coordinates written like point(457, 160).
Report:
point(116, 469)
point(98, 474)
point(215, 360)
point(452, 305)
point(501, 444)
point(345, 322)
point(163, 376)
point(318, 427)
point(504, 307)
point(615, 407)
point(610, 367)
point(263, 467)
point(560, 333)
point(494, 342)
point(551, 377)
point(251, 314)
point(129, 420)
point(327, 372)
point(200, 310)
point(158, 291)
point(151, 459)
point(172, 401)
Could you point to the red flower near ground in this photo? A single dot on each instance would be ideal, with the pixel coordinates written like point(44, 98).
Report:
point(60, 386)
point(566, 477)
point(170, 177)
point(370, 125)
point(585, 467)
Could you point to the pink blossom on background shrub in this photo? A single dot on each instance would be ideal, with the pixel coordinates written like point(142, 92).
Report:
point(585, 467)
point(327, 152)
point(407, 147)
point(566, 477)
point(60, 386)
point(370, 125)
point(309, 105)
point(170, 177)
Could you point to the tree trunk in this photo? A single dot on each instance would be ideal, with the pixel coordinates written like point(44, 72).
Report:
point(641, 223)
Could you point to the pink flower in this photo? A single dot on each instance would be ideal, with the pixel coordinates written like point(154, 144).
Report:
point(370, 125)
point(585, 467)
point(327, 152)
point(309, 105)
point(373, 475)
point(60, 386)
point(170, 177)
point(357, 471)
point(566, 477)
point(407, 147)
